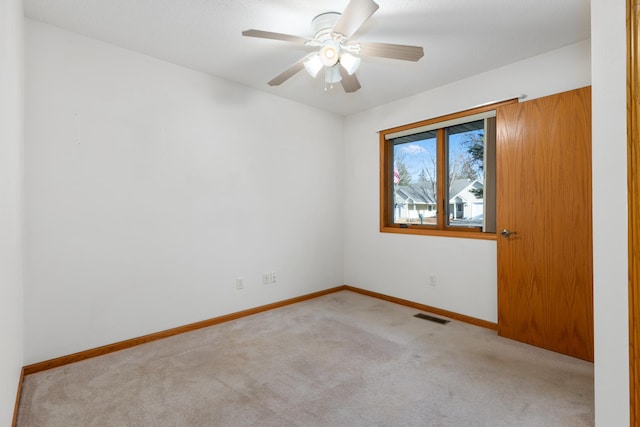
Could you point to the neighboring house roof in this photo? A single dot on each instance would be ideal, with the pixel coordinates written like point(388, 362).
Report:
point(460, 188)
point(418, 193)
point(422, 192)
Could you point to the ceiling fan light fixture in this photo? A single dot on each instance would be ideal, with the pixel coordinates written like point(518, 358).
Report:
point(313, 65)
point(349, 62)
point(330, 53)
point(332, 74)
point(337, 53)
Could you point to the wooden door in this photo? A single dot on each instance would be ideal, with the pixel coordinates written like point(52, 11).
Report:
point(545, 273)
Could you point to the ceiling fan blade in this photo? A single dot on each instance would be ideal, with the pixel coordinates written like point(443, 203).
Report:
point(274, 36)
point(355, 14)
point(350, 83)
point(393, 51)
point(288, 73)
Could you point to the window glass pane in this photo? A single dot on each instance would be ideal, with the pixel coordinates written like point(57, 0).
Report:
point(438, 176)
point(415, 179)
point(465, 170)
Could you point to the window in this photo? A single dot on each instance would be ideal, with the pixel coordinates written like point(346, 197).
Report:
point(438, 176)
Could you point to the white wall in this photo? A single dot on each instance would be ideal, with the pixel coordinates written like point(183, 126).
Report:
point(610, 212)
point(149, 188)
point(11, 326)
point(399, 265)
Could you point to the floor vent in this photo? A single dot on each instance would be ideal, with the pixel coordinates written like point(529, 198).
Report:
point(433, 319)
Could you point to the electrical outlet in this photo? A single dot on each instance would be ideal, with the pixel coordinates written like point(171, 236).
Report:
point(265, 278)
point(432, 280)
point(273, 277)
point(240, 283)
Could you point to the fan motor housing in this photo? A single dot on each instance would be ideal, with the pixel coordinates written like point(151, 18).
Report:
point(323, 24)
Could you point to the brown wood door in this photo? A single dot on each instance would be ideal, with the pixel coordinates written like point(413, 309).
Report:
point(545, 273)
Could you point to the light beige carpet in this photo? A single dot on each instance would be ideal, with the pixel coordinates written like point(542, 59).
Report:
point(340, 360)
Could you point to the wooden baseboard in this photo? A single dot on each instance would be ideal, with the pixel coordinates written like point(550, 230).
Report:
point(17, 404)
point(110, 348)
point(423, 307)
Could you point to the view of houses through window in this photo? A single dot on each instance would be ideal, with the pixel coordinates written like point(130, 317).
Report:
point(418, 165)
point(438, 176)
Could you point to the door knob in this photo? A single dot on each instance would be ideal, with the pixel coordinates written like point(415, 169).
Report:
point(507, 233)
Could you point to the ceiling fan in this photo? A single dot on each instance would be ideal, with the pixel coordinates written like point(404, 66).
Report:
point(338, 55)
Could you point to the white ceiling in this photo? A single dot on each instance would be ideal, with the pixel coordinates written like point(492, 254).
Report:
point(461, 38)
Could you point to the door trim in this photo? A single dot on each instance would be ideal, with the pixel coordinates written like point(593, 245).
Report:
point(633, 182)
